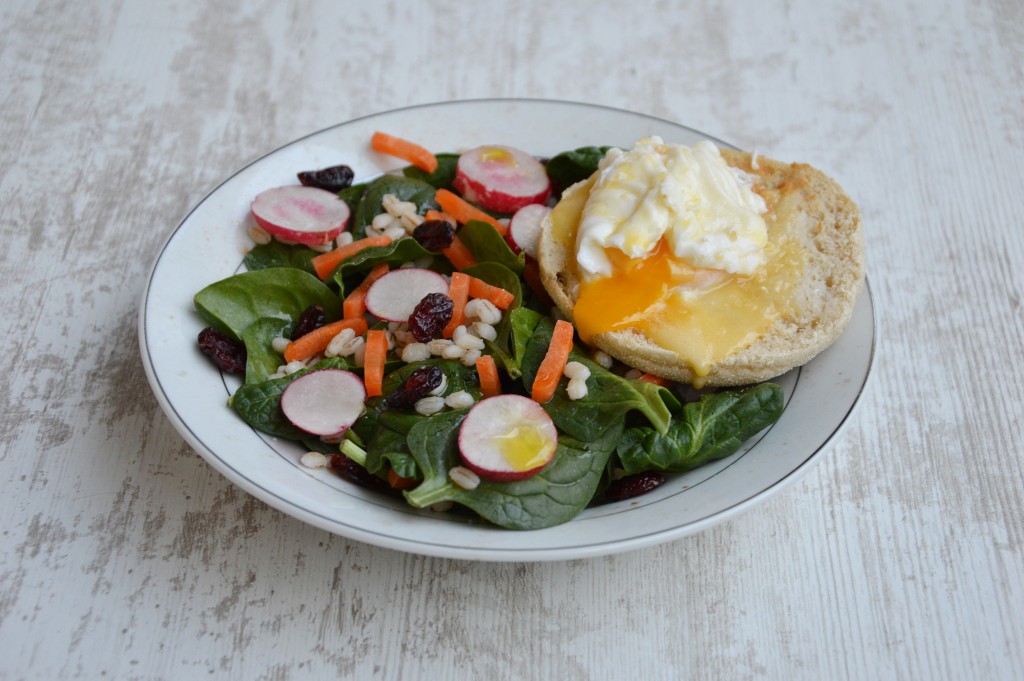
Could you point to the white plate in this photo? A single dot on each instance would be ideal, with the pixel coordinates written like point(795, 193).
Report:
point(208, 245)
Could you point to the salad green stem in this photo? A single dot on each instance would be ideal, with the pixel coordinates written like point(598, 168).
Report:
point(354, 452)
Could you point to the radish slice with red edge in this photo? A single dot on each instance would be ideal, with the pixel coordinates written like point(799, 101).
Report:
point(507, 437)
point(501, 179)
point(525, 227)
point(302, 215)
point(394, 296)
point(324, 402)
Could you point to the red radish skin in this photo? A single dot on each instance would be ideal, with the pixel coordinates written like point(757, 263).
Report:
point(394, 296)
point(501, 179)
point(525, 227)
point(324, 402)
point(302, 215)
point(506, 438)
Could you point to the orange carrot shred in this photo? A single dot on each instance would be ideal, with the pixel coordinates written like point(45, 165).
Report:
point(398, 482)
point(501, 298)
point(432, 214)
point(463, 211)
point(405, 150)
point(355, 302)
point(317, 340)
point(325, 263)
point(458, 291)
point(551, 368)
point(373, 361)
point(656, 380)
point(487, 370)
point(459, 255)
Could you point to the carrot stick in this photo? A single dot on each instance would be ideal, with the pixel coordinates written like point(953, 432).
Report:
point(373, 361)
point(432, 214)
point(487, 370)
point(459, 255)
point(325, 263)
point(463, 211)
point(405, 150)
point(553, 365)
point(656, 380)
point(355, 302)
point(398, 482)
point(458, 291)
point(317, 340)
point(502, 299)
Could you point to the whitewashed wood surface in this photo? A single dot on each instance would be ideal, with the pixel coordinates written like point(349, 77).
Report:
point(123, 555)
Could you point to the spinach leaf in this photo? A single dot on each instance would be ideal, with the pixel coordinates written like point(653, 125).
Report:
point(259, 404)
point(442, 177)
point(353, 268)
point(404, 188)
point(608, 396)
point(457, 375)
point(570, 167)
point(351, 195)
point(710, 429)
point(496, 274)
point(553, 496)
point(230, 305)
point(277, 254)
point(260, 359)
point(487, 245)
point(385, 445)
point(522, 322)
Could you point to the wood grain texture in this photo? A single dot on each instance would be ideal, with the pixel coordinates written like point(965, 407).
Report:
point(124, 555)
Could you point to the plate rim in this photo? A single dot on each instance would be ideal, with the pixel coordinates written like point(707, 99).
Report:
point(491, 553)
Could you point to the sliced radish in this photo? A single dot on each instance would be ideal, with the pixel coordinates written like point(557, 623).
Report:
point(507, 437)
point(394, 296)
point(324, 402)
point(501, 179)
point(524, 230)
point(303, 215)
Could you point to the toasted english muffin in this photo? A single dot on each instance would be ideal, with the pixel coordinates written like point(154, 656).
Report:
point(805, 207)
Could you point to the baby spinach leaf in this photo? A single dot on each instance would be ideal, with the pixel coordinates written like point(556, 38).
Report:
point(553, 496)
point(710, 429)
point(442, 177)
point(259, 404)
point(260, 359)
point(277, 254)
point(404, 189)
point(497, 274)
point(385, 445)
point(608, 396)
point(230, 305)
point(487, 245)
point(570, 167)
point(351, 195)
point(355, 267)
point(522, 323)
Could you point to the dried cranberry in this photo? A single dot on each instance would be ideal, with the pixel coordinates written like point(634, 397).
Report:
point(434, 235)
point(333, 179)
point(419, 384)
point(226, 353)
point(354, 473)
point(633, 485)
point(430, 316)
point(311, 319)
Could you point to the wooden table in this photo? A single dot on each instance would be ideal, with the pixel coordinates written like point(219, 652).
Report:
point(124, 555)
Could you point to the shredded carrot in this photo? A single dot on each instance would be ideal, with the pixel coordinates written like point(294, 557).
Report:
point(501, 298)
point(405, 150)
point(432, 214)
point(373, 361)
point(531, 273)
point(656, 380)
point(355, 302)
point(317, 340)
point(487, 370)
point(325, 263)
point(551, 368)
point(398, 482)
point(458, 291)
point(463, 211)
point(459, 255)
